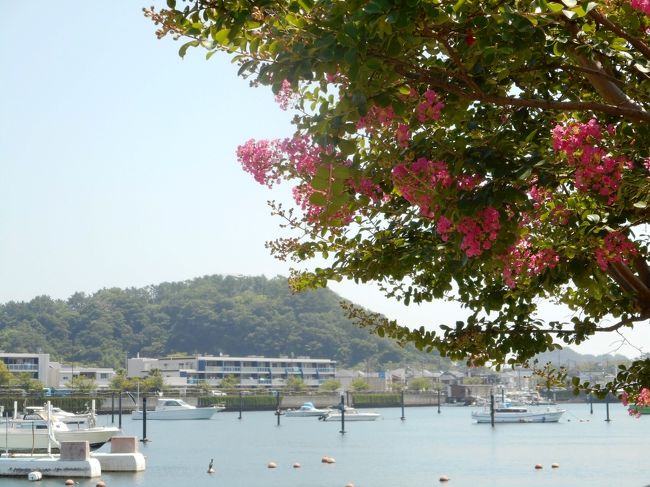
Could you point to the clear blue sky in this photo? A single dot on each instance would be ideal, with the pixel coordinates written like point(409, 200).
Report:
point(118, 162)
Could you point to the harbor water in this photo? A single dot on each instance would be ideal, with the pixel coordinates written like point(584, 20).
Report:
point(390, 452)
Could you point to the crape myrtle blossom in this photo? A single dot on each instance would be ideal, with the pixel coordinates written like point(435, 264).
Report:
point(636, 404)
point(642, 5)
point(616, 248)
point(597, 171)
point(523, 261)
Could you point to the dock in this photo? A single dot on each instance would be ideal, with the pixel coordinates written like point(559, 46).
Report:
point(76, 460)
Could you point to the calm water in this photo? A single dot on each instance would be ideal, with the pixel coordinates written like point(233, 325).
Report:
point(389, 452)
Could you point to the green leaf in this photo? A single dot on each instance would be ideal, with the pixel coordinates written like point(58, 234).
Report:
point(555, 7)
point(318, 199)
point(459, 4)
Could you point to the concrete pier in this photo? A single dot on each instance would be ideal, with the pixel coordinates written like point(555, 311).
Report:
point(74, 461)
point(124, 456)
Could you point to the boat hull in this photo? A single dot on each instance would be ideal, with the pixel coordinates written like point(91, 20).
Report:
point(197, 413)
point(523, 417)
point(352, 417)
point(26, 440)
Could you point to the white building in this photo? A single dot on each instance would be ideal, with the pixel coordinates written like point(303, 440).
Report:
point(251, 371)
point(37, 365)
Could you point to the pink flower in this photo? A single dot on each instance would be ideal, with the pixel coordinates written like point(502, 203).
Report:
point(616, 248)
point(430, 108)
point(642, 5)
point(261, 159)
point(403, 135)
point(285, 95)
point(479, 232)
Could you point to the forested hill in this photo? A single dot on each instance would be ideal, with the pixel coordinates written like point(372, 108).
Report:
point(232, 315)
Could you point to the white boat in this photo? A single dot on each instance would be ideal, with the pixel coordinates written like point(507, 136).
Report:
point(519, 414)
point(61, 415)
point(351, 414)
point(34, 433)
point(177, 409)
point(307, 409)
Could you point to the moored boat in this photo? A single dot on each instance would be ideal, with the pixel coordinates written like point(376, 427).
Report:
point(174, 409)
point(34, 433)
point(519, 414)
point(307, 409)
point(351, 414)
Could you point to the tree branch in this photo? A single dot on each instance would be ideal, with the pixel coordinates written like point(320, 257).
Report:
point(641, 46)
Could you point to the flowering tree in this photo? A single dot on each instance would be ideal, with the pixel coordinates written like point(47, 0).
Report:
point(495, 152)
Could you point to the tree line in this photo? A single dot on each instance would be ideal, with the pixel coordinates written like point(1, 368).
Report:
point(233, 315)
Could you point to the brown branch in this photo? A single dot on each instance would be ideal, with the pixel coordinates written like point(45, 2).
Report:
point(631, 112)
point(619, 31)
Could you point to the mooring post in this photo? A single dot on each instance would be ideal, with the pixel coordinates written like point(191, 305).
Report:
point(241, 403)
point(591, 404)
point(438, 401)
point(144, 419)
point(119, 411)
point(607, 406)
point(113, 407)
point(277, 406)
point(342, 407)
point(403, 417)
point(492, 410)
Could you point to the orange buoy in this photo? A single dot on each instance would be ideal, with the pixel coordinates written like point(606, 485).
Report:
point(272, 465)
point(538, 466)
point(444, 478)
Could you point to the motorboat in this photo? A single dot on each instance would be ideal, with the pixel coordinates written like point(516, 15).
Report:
point(34, 433)
point(351, 414)
point(519, 414)
point(171, 408)
point(307, 409)
point(63, 416)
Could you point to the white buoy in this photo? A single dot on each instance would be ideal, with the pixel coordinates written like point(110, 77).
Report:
point(210, 469)
point(444, 478)
point(69, 482)
point(272, 465)
point(101, 483)
point(555, 465)
point(296, 465)
point(36, 475)
point(538, 466)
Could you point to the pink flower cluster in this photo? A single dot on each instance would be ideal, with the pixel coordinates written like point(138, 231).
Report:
point(616, 248)
point(419, 181)
point(479, 232)
point(521, 260)
point(261, 158)
point(636, 404)
point(285, 95)
point(642, 5)
point(595, 170)
point(302, 154)
point(430, 108)
point(376, 116)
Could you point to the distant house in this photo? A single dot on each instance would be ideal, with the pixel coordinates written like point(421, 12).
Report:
point(36, 365)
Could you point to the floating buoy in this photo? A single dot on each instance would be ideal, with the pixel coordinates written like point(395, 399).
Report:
point(555, 465)
point(324, 459)
point(272, 465)
point(69, 482)
point(101, 483)
point(349, 485)
point(444, 478)
point(330, 460)
point(296, 465)
point(210, 469)
point(538, 466)
point(36, 475)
